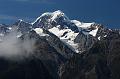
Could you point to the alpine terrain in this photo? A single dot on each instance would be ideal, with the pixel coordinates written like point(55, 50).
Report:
point(55, 47)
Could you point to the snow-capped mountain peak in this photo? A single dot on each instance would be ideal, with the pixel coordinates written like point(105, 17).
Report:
point(67, 30)
point(57, 14)
point(49, 20)
point(51, 16)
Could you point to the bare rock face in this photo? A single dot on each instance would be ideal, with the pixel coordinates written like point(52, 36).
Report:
point(99, 62)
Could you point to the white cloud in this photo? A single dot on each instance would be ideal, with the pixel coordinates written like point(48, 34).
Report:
point(12, 48)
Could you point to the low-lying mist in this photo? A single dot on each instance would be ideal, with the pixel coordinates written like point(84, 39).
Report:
point(11, 47)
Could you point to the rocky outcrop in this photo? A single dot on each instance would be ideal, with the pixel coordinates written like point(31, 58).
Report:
point(100, 62)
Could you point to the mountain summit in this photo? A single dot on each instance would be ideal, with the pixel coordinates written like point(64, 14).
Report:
point(69, 30)
point(55, 47)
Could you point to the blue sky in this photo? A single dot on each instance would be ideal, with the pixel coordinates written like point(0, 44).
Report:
point(106, 12)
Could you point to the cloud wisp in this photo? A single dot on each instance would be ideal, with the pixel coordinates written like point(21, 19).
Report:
point(14, 49)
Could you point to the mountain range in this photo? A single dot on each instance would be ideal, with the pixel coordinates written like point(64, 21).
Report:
point(55, 47)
